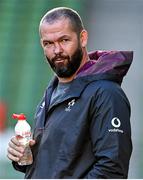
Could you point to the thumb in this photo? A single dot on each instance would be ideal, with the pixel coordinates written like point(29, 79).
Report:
point(32, 142)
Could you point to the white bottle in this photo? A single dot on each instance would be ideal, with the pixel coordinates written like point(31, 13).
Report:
point(23, 133)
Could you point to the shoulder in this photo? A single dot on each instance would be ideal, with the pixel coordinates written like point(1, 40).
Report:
point(104, 86)
point(105, 89)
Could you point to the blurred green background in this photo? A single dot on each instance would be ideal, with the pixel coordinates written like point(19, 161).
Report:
point(24, 73)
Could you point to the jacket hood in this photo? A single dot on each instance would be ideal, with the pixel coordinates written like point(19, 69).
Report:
point(111, 65)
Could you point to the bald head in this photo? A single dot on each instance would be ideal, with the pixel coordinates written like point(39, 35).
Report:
point(60, 13)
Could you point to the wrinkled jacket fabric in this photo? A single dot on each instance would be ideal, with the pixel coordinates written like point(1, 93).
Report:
point(86, 133)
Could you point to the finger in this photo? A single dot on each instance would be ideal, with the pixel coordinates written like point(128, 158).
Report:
point(13, 158)
point(16, 147)
point(32, 142)
point(15, 141)
point(15, 153)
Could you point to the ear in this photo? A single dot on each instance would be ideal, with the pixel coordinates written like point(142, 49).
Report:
point(83, 38)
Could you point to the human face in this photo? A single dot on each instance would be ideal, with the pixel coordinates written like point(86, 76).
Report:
point(61, 47)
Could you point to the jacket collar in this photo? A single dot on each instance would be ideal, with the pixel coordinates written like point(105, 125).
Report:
point(76, 88)
point(116, 63)
point(105, 65)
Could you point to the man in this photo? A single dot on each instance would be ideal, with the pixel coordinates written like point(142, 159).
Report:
point(82, 125)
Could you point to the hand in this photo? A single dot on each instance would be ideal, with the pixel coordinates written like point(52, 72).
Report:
point(15, 151)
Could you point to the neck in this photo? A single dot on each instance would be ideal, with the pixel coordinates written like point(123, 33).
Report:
point(84, 60)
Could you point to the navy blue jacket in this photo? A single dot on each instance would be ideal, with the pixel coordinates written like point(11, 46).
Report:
point(86, 133)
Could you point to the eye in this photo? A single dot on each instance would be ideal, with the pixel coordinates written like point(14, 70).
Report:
point(47, 43)
point(65, 40)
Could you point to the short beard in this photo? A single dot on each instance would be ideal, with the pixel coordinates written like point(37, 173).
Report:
point(72, 66)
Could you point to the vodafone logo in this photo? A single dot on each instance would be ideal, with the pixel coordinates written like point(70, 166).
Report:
point(116, 122)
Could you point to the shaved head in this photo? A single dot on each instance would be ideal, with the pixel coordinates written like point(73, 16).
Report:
point(63, 12)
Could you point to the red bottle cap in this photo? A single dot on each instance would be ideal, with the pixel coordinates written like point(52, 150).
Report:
point(19, 116)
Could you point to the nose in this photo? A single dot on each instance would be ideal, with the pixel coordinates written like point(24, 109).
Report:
point(57, 48)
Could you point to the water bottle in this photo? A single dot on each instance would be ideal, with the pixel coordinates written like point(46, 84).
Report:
point(23, 134)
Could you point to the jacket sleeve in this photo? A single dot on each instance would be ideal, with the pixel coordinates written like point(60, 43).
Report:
point(110, 133)
point(18, 167)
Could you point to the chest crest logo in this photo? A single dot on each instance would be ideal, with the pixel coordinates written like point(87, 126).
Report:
point(70, 104)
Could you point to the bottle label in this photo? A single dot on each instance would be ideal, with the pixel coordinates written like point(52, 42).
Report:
point(23, 137)
point(23, 134)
